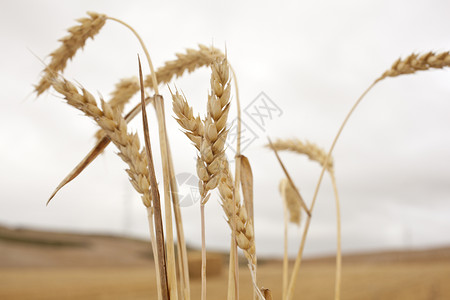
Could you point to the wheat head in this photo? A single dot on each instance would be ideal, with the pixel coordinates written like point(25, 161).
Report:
point(291, 200)
point(209, 162)
point(311, 150)
point(115, 126)
point(76, 39)
point(193, 126)
point(414, 63)
point(245, 238)
point(125, 89)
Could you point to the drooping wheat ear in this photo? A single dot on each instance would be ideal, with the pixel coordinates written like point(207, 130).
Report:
point(291, 200)
point(189, 61)
point(414, 63)
point(244, 229)
point(193, 126)
point(76, 39)
point(309, 149)
point(115, 127)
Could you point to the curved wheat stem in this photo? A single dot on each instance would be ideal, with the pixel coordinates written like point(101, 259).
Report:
point(76, 39)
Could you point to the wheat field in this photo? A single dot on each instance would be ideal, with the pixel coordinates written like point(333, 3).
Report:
point(226, 173)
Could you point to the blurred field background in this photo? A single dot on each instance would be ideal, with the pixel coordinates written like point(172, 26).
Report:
point(44, 265)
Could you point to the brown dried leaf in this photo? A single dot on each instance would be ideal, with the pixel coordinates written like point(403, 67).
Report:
point(247, 185)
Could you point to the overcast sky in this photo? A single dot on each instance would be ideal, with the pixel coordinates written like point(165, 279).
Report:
point(311, 58)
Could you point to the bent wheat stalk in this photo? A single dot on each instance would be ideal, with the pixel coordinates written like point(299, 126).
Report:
point(410, 65)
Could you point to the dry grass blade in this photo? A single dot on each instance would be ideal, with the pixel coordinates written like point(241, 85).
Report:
point(289, 177)
point(247, 185)
point(98, 148)
point(155, 194)
point(78, 36)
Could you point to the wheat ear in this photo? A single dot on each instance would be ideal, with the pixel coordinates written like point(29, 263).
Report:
point(208, 137)
point(311, 150)
point(414, 63)
point(76, 39)
point(291, 201)
point(240, 223)
point(116, 128)
point(244, 229)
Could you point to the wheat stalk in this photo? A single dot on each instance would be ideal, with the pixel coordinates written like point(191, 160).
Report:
point(76, 39)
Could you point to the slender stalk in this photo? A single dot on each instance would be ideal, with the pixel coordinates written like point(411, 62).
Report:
point(144, 48)
point(155, 251)
point(316, 191)
point(182, 251)
point(202, 216)
point(171, 269)
point(337, 288)
point(237, 185)
point(285, 257)
point(155, 197)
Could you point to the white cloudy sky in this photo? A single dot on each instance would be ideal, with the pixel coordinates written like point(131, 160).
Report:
point(312, 58)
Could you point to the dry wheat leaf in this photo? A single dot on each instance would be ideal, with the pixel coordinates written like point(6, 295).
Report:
point(289, 177)
point(247, 185)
